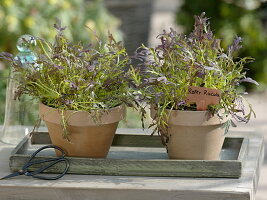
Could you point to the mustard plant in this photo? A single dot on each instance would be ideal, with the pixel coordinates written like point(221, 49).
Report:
point(71, 76)
point(181, 61)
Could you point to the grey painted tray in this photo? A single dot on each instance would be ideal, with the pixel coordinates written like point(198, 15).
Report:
point(139, 155)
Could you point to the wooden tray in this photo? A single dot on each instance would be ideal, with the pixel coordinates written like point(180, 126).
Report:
point(139, 155)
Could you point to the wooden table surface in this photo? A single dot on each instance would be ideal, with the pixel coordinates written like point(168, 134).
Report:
point(136, 188)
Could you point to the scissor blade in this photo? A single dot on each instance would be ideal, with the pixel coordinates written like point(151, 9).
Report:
point(11, 175)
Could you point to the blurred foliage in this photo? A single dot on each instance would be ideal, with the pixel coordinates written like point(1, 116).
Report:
point(36, 17)
point(230, 18)
point(85, 20)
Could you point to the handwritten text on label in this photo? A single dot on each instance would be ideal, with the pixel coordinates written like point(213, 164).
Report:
point(203, 97)
point(204, 92)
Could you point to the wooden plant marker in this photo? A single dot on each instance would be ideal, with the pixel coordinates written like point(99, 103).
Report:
point(203, 97)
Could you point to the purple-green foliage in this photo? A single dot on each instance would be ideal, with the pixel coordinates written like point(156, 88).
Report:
point(199, 60)
point(71, 76)
point(35, 17)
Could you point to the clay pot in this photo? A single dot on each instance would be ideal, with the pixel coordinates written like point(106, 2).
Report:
point(88, 137)
point(194, 135)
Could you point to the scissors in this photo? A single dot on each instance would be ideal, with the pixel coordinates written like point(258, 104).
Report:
point(51, 162)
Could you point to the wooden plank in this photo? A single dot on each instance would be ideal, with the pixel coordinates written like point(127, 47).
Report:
point(22, 146)
point(59, 192)
point(40, 138)
point(137, 160)
point(243, 149)
point(137, 141)
point(229, 169)
point(135, 188)
point(133, 140)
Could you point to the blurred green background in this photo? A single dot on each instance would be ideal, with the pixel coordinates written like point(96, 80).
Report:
point(129, 20)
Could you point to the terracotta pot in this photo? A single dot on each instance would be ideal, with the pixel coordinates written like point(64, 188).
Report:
point(87, 137)
point(194, 135)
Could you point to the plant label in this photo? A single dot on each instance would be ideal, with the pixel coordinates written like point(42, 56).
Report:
point(203, 97)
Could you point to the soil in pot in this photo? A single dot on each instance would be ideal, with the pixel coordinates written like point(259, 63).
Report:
point(87, 137)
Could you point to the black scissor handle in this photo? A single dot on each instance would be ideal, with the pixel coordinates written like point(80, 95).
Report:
point(42, 169)
point(51, 162)
point(47, 147)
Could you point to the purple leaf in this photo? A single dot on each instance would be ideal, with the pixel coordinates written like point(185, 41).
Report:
point(73, 85)
point(235, 46)
point(162, 78)
point(89, 86)
point(58, 67)
point(90, 68)
point(181, 103)
point(239, 118)
point(200, 74)
point(158, 96)
point(6, 56)
point(150, 80)
point(249, 80)
point(208, 68)
point(58, 26)
point(68, 102)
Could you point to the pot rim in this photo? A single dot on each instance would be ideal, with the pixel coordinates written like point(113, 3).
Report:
point(81, 110)
point(82, 118)
point(191, 118)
